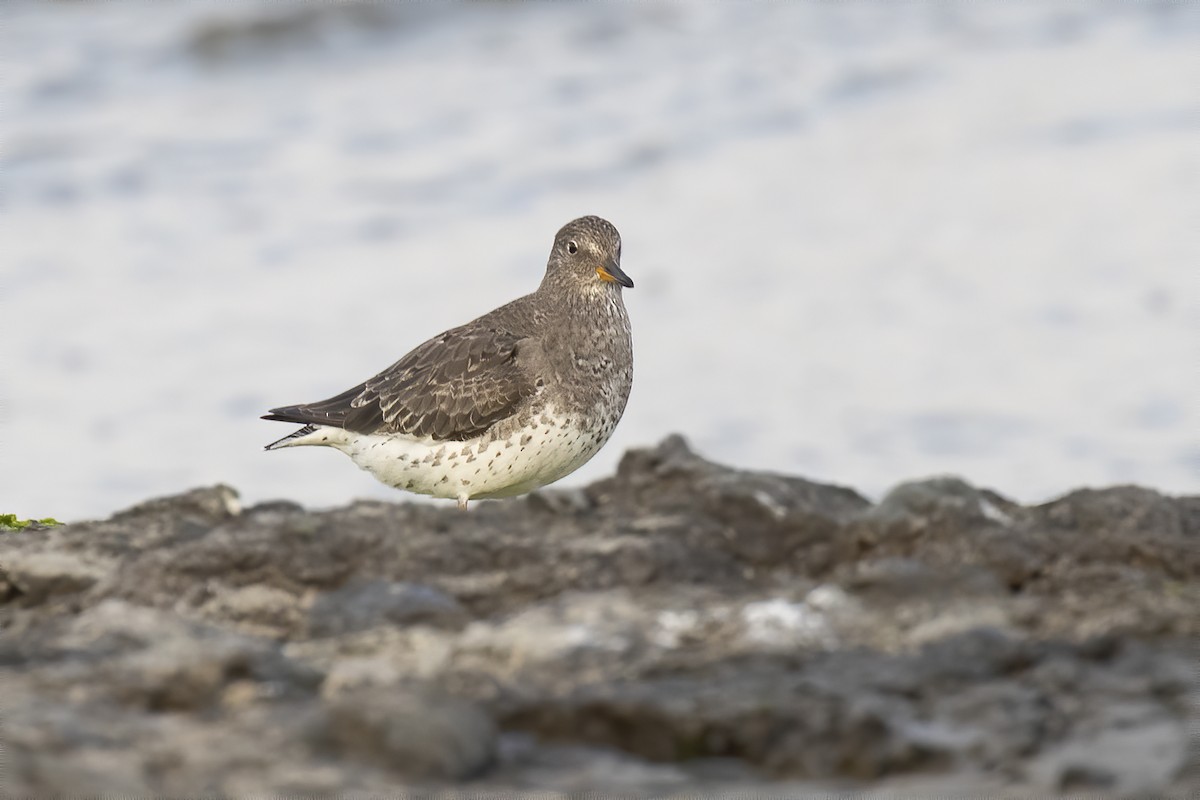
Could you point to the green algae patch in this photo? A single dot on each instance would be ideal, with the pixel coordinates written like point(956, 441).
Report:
point(9, 522)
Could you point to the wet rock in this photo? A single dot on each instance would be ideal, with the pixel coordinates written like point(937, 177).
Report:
point(691, 625)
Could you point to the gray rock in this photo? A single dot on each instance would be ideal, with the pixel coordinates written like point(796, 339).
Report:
point(1131, 760)
point(698, 628)
point(761, 519)
point(214, 504)
point(156, 660)
point(360, 606)
point(1127, 509)
point(910, 578)
point(253, 608)
point(944, 496)
point(560, 501)
point(416, 735)
point(38, 576)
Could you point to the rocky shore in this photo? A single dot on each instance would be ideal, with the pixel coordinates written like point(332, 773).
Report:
point(680, 627)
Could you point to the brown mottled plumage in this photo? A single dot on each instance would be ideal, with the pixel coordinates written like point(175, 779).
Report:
point(547, 375)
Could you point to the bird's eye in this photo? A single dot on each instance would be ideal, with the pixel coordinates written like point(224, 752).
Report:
point(572, 248)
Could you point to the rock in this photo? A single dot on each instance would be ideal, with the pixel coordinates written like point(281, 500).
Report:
point(760, 518)
point(254, 608)
point(1127, 525)
point(945, 496)
point(1125, 509)
point(158, 661)
point(672, 476)
point(41, 576)
point(415, 735)
point(697, 628)
point(360, 606)
point(1131, 760)
point(560, 501)
point(574, 769)
point(898, 579)
point(758, 710)
point(214, 504)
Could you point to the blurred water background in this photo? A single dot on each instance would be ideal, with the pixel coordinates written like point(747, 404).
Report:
point(871, 241)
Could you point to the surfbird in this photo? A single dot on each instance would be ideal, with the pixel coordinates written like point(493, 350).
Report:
point(511, 401)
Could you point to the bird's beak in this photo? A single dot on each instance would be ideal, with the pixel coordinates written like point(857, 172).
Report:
point(610, 270)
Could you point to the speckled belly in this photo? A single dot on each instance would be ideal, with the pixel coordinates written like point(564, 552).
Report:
point(550, 448)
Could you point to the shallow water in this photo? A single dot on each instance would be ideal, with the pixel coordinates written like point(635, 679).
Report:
point(870, 243)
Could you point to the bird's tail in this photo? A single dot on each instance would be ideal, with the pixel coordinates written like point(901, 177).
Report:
point(295, 439)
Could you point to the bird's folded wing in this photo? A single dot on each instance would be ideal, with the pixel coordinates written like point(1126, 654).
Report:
point(453, 386)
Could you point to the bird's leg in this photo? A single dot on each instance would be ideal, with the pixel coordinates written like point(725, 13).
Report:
point(462, 501)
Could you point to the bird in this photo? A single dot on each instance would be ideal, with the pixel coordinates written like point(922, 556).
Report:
point(507, 403)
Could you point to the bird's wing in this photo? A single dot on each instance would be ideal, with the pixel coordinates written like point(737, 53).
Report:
point(453, 386)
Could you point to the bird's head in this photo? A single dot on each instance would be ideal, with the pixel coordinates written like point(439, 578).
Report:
point(587, 255)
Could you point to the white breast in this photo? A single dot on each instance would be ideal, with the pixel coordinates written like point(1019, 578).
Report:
point(542, 453)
